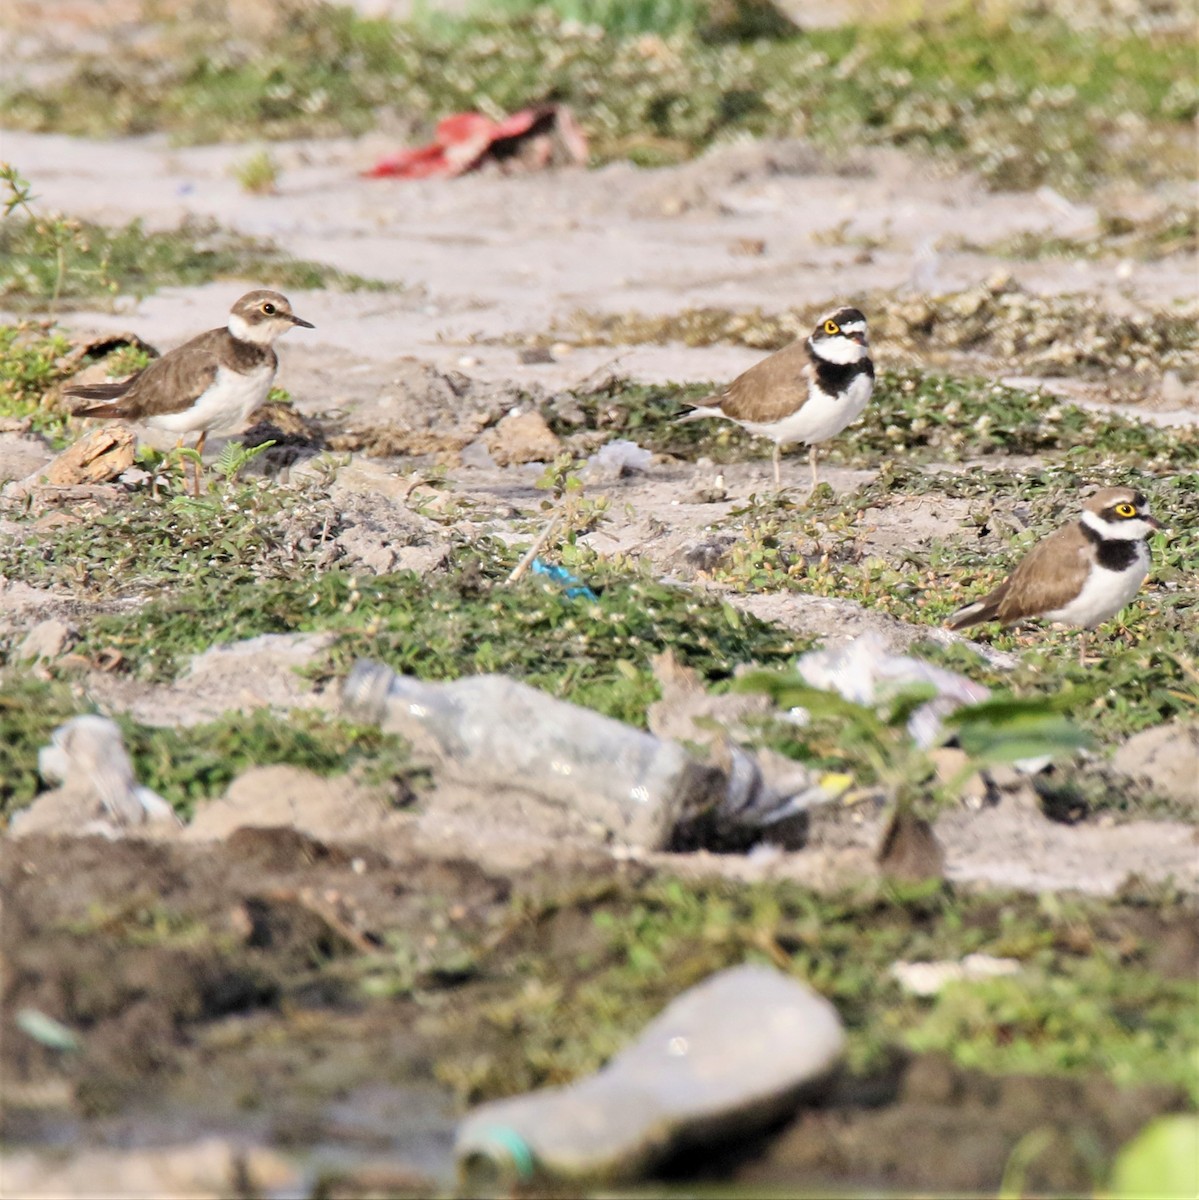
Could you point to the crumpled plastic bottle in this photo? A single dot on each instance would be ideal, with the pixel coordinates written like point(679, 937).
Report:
point(641, 790)
point(729, 1057)
point(507, 734)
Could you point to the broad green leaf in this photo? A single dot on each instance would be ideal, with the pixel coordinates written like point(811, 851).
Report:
point(1162, 1161)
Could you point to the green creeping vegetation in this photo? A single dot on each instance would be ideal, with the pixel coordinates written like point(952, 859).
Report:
point(1029, 334)
point(931, 417)
point(100, 263)
point(243, 560)
point(234, 535)
point(1095, 994)
point(1151, 668)
point(31, 367)
point(1024, 98)
point(190, 764)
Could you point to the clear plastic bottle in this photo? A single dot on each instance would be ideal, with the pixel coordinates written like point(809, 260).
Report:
point(731, 1056)
point(637, 787)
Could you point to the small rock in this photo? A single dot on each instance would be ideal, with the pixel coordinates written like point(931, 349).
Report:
point(100, 457)
point(950, 763)
point(928, 978)
point(1166, 758)
point(46, 640)
point(523, 437)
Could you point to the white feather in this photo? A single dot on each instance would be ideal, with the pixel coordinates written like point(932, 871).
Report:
point(821, 417)
point(839, 350)
point(1128, 529)
point(1104, 593)
point(229, 400)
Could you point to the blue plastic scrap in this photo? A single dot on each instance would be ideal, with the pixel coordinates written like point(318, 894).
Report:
point(559, 574)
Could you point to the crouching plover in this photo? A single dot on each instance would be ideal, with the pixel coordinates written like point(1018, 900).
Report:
point(1081, 575)
point(210, 384)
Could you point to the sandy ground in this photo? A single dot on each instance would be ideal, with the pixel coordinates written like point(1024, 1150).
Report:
point(484, 262)
point(489, 258)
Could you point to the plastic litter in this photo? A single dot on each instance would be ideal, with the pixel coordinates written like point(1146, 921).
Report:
point(87, 756)
point(730, 1056)
point(615, 459)
point(575, 589)
point(639, 790)
point(46, 1031)
point(866, 672)
point(929, 978)
point(530, 139)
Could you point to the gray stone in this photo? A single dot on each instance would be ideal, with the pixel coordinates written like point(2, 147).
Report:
point(46, 640)
point(1166, 759)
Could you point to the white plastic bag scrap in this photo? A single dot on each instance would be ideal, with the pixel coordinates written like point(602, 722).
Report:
point(618, 458)
point(87, 756)
point(866, 672)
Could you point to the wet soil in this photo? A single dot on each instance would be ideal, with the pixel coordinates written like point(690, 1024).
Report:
point(216, 992)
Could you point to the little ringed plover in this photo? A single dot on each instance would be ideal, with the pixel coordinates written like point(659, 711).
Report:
point(806, 392)
point(1080, 575)
point(210, 384)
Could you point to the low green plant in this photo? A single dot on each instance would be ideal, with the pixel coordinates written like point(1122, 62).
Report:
point(70, 263)
point(593, 651)
point(57, 252)
point(31, 367)
point(188, 764)
point(1161, 1161)
point(1094, 995)
point(258, 174)
point(873, 742)
point(1029, 98)
point(221, 539)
